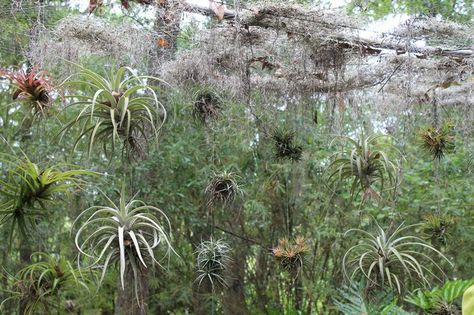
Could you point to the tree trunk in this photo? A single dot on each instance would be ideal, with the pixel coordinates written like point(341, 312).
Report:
point(233, 301)
point(127, 303)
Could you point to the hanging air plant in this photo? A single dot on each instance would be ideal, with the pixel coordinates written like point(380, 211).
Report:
point(437, 228)
point(128, 234)
point(39, 286)
point(222, 189)
point(286, 145)
point(117, 109)
point(212, 260)
point(27, 189)
point(291, 255)
point(438, 141)
point(365, 162)
point(32, 88)
point(207, 105)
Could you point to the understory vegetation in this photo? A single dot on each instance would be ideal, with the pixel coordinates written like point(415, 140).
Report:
point(264, 158)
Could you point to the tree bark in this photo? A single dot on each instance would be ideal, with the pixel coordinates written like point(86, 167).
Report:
point(233, 301)
point(127, 303)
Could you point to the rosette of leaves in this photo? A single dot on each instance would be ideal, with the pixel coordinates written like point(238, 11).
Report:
point(389, 259)
point(222, 189)
point(365, 162)
point(128, 233)
point(212, 261)
point(438, 141)
point(437, 228)
point(33, 89)
point(123, 109)
point(38, 287)
point(443, 300)
point(286, 145)
point(207, 105)
point(26, 189)
point(291, 255)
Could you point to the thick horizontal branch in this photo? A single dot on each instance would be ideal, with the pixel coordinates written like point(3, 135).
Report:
point(315, 27)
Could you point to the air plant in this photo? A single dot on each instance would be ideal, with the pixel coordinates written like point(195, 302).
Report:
point(437, 228)
point(222, 189)
point(39, 285)
point(364, 163)
point(33, 88)
point(390, 259)
point(127, 233)
point(207, 105)
point(291, 255)
point(26, 190)
point(212, 260)
point(438, 141)
point(120, 109)
point(286, 146)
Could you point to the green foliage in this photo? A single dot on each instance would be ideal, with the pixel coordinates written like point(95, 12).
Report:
point(120, 108)
point(286, 146)
point(128, 233)
point(440, 300)
point(391, 259)
point(451, 9)
point(212, 260)
point(40, 285)
point(468, 301)
point(26, 189)
point(365, 162)
point(352, 301)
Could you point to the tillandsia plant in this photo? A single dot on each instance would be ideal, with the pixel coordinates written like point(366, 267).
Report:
point(222, 189)
point(26, 189)
point(438, 141)
point(38, 287)
point(391, 259)
point(441, 301)
point(286, 145)
point(212, 261)
point(437, 227)
point(123, 108)
point(127, 233)
point(365, 162)
point(207, 105)
point(33, 88)
point(291, 255)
